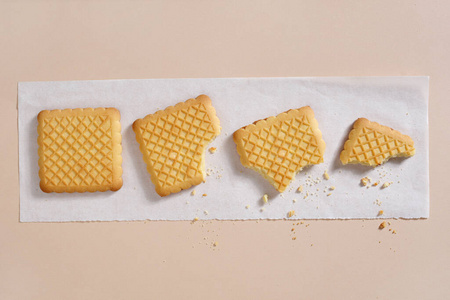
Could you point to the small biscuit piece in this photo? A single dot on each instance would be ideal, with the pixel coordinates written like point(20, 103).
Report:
point(173, 143)
point(80, 150)
point(279, 147)
point(372, 144)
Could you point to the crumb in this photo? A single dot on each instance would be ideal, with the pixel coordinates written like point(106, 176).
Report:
point(294, 238)
point(386, 184)
point(325, 175)
point(390, 229)
point(193, 193)
point(375, 183)
point(262, 209)
point(382, 225)
point(291, 213)
point(300, 189)
point(378, 202)
point(215, 244)
point(302, 222)
point(205, 212)
point(294, 200)
point(329, 194)
point(394, 232)
point(292, 229)
point(332, 188)
point(380, 213)
point(195, 219)
point(365, 181)
point(204, 195)
point(265, 198)
point(312, 245)
point(212, 150)
point(389, 223)
point(187, 202)
point(247, 207)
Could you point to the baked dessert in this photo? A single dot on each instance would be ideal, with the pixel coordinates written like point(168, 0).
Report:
point(173, 143)
point(279, 147)
point(80, 150)
point(372, 144)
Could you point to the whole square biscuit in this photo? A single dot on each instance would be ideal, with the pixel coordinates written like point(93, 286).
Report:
point(80, 150)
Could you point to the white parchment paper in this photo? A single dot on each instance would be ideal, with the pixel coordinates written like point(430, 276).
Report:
point(234, 192)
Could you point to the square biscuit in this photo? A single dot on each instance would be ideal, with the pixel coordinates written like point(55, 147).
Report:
point(80, 150)
point(280, 147)
point(173, 143)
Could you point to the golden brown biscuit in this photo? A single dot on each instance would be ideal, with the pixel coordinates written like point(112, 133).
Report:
point(372, 144)
point(279, 147)
point(80, 150)
point(173, 143)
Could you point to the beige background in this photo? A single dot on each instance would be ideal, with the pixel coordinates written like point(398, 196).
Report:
point(52, 40)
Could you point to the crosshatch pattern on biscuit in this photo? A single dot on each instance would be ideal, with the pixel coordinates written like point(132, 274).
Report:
point(280, 146)
point(173, 143)
point(80, 150)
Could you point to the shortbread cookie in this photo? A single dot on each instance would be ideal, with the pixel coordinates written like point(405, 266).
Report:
point(173, 142)
point(372, 144)
point(279, 147)
point(80, 150)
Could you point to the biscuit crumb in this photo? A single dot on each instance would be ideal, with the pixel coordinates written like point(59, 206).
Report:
point(380, 213)
point(376, 183)
point(204, 195)
point(294, 238)
point(300, 189)
point(265, 198)
point(382, 225)
point(262, 209)
point(302, 222)
point(215, 244)
point(294, 200)
point(292, 229)
point(394, 232)
point(386, 184)
point(329, 194)
point(247, 207)
point(325, 175)
point(365, 181)
point(291, 213)
point(206, 212)
point(389, 223)
point(212, 150)
point(195, 219)
point(332, 188)
point(193, 192)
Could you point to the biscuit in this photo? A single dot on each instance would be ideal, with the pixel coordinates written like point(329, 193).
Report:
point(372, 144)
point(279, 147)
point(80, 150)
point(173, 143)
